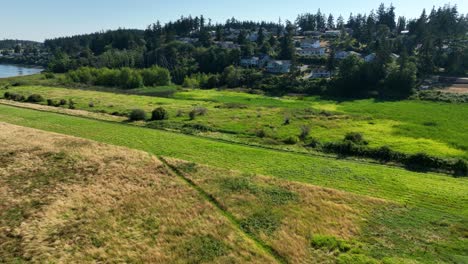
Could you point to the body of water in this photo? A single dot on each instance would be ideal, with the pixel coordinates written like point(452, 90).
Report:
point(7, 70)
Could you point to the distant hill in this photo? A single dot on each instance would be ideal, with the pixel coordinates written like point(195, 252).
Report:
point(11, 43)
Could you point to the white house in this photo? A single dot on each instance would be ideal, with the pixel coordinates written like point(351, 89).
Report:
point(305, 52)
point(279, 66)
point(310, 43)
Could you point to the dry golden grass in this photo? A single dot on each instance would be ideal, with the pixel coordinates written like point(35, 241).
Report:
point(301, 210)
point(69, 200)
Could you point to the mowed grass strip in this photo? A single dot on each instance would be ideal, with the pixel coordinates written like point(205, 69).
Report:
point(310, 224)
point(71, 200)
point(439, 192)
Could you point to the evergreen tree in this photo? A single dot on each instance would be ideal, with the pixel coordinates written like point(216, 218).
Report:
point(261, 37)
point(287, 49)
point(331, 22)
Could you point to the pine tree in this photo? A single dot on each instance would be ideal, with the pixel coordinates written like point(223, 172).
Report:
point(330, 22)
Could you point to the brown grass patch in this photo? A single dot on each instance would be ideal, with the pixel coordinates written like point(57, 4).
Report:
point(65, 199)
point(282, 213)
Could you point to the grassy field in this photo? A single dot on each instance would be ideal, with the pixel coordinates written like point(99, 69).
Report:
point(55, 182)
point(69, 200)
point(403, 126)
point(309, 224)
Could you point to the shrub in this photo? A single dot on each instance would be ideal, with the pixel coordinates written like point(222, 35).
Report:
point(355, 137)
point(179, 113)
point(155, 76)
point(91, 104)
point(261, 133)
point(159, 114)
point(62, 102)
point(305, 131)
point(287, 120)
point(330, 243)
point(71, 104)
point(49, 75)
point(200, 110)
point(291, 140)
point(460, 168)
point(35, 98)
point(14, 97)
point(137, 115)
point(313, 143)
point(192, 114)
point(50, 102)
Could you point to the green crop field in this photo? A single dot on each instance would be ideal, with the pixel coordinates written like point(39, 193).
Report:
point(431, 207)
point(407, 126)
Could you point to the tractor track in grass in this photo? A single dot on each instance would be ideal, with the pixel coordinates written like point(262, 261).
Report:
point(309, 154)
point(212, 200)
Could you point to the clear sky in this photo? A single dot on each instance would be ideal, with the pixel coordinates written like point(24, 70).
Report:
point(41, 19)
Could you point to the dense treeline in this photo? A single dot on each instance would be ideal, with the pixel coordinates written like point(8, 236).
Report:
point(126, 78)
point(404, 51)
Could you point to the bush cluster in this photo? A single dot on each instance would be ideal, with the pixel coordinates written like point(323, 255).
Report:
point(159, 114)
point(137, 115)
point(126, 78)
point(14, 97)
point(418, 161)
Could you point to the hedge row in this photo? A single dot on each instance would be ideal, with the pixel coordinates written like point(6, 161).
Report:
point(418, 161)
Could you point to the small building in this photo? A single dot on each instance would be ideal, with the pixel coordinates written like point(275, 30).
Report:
point(250, 62)
point(188, 40)
point(370, 58)
point(333, 33)
point(312, 33)
point(310, 52)
point(340, 55)
point(310, 43)
point(227, 44)
point(319, 73)
point(279, 66)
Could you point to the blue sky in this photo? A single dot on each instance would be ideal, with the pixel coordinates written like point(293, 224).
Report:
point(38, 20)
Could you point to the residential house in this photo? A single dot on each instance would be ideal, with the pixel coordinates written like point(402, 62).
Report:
point(333, 33)
point(263, 61)
point(227, 44)
point(312, 33)
point(319, 73)
point(340, 55)
point(310, 43)
point(279, 66)
point(306, 52)
point(250, 62)
point(253, 37)
point(371, 57)
point(188, 40)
